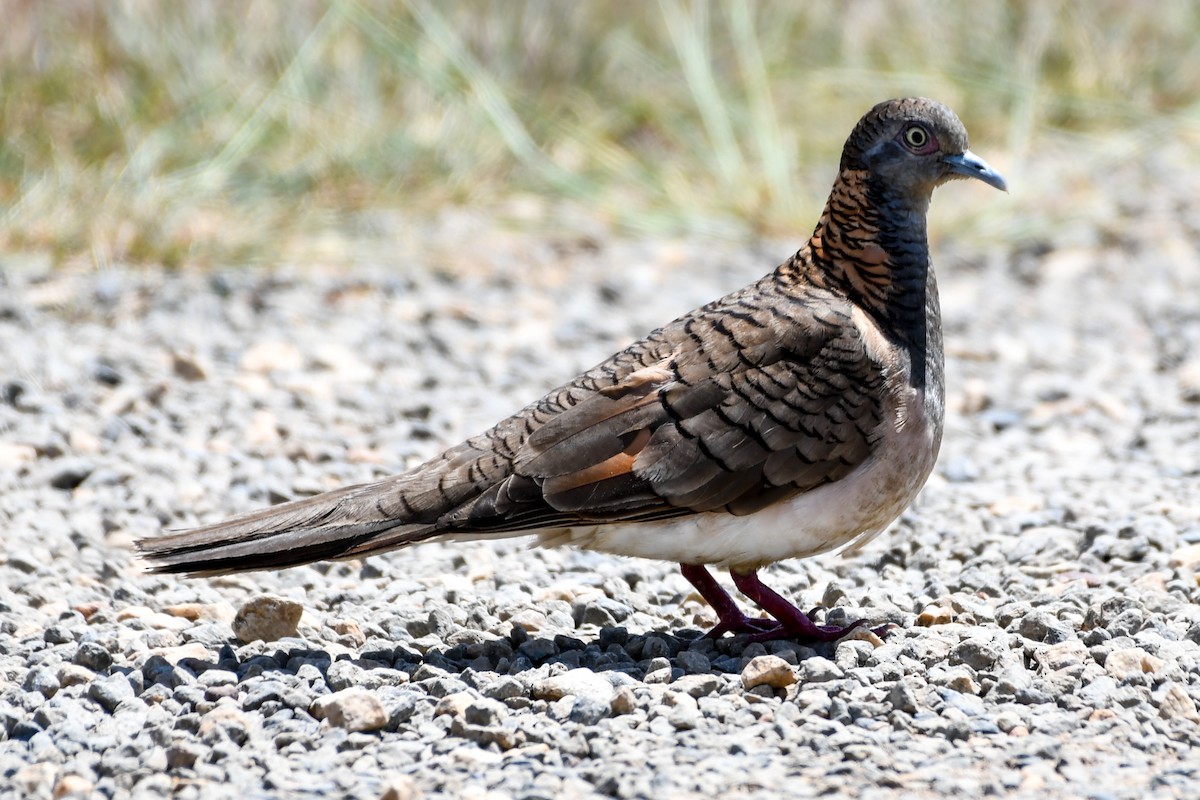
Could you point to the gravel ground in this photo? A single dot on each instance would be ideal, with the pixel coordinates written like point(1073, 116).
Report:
point(1044, 588)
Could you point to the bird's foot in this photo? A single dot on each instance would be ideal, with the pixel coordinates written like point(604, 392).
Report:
point(789, 622)
point(793, 623)
point(815, 633)
point(755, 626)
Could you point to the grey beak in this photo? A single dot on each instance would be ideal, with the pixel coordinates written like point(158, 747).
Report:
point(972, 166)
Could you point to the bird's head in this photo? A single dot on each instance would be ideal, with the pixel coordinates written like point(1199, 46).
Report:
point(913, 145)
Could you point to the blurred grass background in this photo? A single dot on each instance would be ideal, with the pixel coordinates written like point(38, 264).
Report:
point(245, 132)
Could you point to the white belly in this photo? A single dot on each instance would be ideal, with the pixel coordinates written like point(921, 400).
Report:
point(851, 510)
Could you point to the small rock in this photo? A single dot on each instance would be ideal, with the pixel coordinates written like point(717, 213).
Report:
point(957, 678)
point(83, 441)
point(1006, 721)
point(656, 647)
point(588, 711)
point(219, 612)
point(110, 692)
point(1035, 694)
point(505, 688)
point(958, 730)
point(94, 656)
point(1012, 681)
point(352, 709)
point(183, 755)
point(121, 401)
point(578, 682)
point(218, 677)
point(1131, 662)
point(848, 656)
point(624, 701)
point(1127, 623)
point(820, 670)
point(538, 650)
point(936, 614)
point(107, 374)
point(74, 675)
point(532, 620)
point(1062, 655)
point(658, 670)
point(41, 679)
point(350, 629)
point(400, 708)
point(73, 786)
point(1099, 692)
point(698, 685)
point(1176, 704)
point(1041, 626)
point(685, 713)
point(86, 610)
point(604, 612)
point(560, 710)
point(975, 654)
point(224, 722)
point(1187, 556)
point(72, 473)
point(342, 675)
point(903, 697)
point(58, 634)
point(768, 670)
point(454, 705)
point(187, 367)
point(1153, 582)
point(401, 787)
point(693, 663)
point(263, 431)
point(268, 618)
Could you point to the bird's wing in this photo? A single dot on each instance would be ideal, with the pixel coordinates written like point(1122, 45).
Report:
point(746, 404)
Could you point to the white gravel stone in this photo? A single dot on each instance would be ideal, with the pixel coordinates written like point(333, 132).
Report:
point(768, 670)
point(1131, 662)
point(352, 709)
point(268, 618)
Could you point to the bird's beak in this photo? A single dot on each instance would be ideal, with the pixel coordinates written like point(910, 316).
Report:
point(972, 166)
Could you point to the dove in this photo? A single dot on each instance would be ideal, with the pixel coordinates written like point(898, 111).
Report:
point(796, 416)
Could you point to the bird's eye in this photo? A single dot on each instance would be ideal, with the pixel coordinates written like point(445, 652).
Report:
point(916, 137)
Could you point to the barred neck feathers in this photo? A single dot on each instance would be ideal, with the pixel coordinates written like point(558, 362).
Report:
point(871, 245)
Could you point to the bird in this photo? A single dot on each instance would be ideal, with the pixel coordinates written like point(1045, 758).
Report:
point(795, 416)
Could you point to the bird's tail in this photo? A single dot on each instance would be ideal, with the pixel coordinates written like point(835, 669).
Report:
point(344, 523)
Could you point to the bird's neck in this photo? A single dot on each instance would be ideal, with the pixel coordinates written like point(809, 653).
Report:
point(872, 245)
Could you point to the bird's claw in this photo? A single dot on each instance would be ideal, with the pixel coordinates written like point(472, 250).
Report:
point(742, 624)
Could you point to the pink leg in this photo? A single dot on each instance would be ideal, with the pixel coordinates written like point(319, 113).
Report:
point(793, 623)
point(732, 619)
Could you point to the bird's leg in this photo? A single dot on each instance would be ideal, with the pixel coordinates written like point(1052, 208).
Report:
point(732, 618)
point(793, 623)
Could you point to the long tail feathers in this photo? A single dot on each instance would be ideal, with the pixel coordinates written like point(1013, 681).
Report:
point(326, 526)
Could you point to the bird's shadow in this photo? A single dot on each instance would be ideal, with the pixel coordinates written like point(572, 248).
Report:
point(656, 657)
